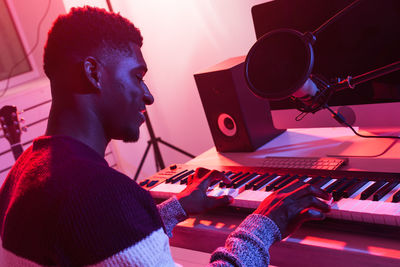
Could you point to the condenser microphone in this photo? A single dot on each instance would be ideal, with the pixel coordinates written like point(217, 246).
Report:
point(279, 65)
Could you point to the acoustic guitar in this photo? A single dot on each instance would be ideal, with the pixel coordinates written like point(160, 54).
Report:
point(12, 131)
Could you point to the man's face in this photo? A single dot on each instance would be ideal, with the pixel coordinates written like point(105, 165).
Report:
point(124, 95)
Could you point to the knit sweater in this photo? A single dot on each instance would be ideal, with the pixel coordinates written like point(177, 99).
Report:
point(61, 204)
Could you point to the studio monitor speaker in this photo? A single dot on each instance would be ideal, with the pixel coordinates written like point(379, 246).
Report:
point(239, 121)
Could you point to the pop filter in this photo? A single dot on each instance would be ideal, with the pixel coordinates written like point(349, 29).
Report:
point(279, 63)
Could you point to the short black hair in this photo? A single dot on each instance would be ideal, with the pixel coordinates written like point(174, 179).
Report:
point(85, 30)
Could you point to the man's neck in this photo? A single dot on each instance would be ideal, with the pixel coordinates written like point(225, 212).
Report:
point(79, 124)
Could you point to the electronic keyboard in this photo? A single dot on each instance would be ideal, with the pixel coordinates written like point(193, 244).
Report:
point(371, 197)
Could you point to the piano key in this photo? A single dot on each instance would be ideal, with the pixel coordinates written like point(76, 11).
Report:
point(218, 191)
point(166, 190)
point(285, 182)
point(142, 183)
point(327, 182)
point(333, 186)
point(357, 194)
point(396, 197)
point(389, 196)
point(384, 190)
point(184, 180)
point(337, 193)
point(250, 199)
point(251, 183)
point(265, 181)
point(150, 184)
point(172, 177)
point(314, 180)
point(308, 179)
point(222, 184)
point(238, 178)
point(354, 188)
point(372, 189)
point(271, 185)
point(245, 180)
point(178, 178)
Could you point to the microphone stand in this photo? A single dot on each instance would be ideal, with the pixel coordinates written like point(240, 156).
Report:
point(153, 139)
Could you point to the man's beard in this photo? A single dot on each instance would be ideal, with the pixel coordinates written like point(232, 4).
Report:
point(130, 136)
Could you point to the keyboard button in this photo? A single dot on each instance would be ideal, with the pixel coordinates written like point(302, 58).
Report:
point(258, 179)
point(271, 186)
point(178, 178)
point(176, 175)
point(142, 183)
point(265, 181)
point(384, 190)
point(354, 188)
point(372, 189)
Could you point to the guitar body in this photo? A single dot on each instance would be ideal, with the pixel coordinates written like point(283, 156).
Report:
point(12, 131)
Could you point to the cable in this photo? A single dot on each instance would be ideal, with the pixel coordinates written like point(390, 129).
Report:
point(336, 16)
point(3, 92)
point(339, 118)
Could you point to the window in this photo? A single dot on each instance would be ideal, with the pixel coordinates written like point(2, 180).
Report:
point(13, 55)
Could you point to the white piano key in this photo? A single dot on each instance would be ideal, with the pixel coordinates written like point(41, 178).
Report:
point(250, 198)
point(388, 197)
point(307, 179)
point(328, 183)
point(218, 191)
point(164, 190)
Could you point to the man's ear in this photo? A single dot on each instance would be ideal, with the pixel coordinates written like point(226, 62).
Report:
point(92, 71)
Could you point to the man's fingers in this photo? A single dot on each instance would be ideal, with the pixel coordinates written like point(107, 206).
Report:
point(215, 202)
point(214, 175)
point(200, 172)
point(312, 202)
point(308, 189)
point(310, 215)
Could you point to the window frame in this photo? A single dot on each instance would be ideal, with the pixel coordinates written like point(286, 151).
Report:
point(34, 72)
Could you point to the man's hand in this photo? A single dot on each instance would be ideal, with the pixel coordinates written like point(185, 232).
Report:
point(294, 204)
point(194, 199)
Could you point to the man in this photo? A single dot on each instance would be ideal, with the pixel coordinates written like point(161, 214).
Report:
point(61, 204)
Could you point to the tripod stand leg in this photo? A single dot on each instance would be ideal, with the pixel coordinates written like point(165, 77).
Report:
point(142, 160)
point(176, 148)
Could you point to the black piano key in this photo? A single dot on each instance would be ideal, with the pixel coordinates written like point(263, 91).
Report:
point(184, 180)
point(222, 184)
point(264, 181)
point(237, 179)
point(396, 197)
point(372, 189)
point(142, 183)
point(337, 193)
point(152, 183)
point(251, 184)
point(322, 182)
point(285, 182)
point(172, 177)
point(244, 180)
point(277, 181)
point(384, 190)
point(227, 174)
point(354, 188)
point(314, 180)
point(335, 184)
point(178, 178)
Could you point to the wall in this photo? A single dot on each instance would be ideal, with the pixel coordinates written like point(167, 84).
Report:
point(181, 37)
